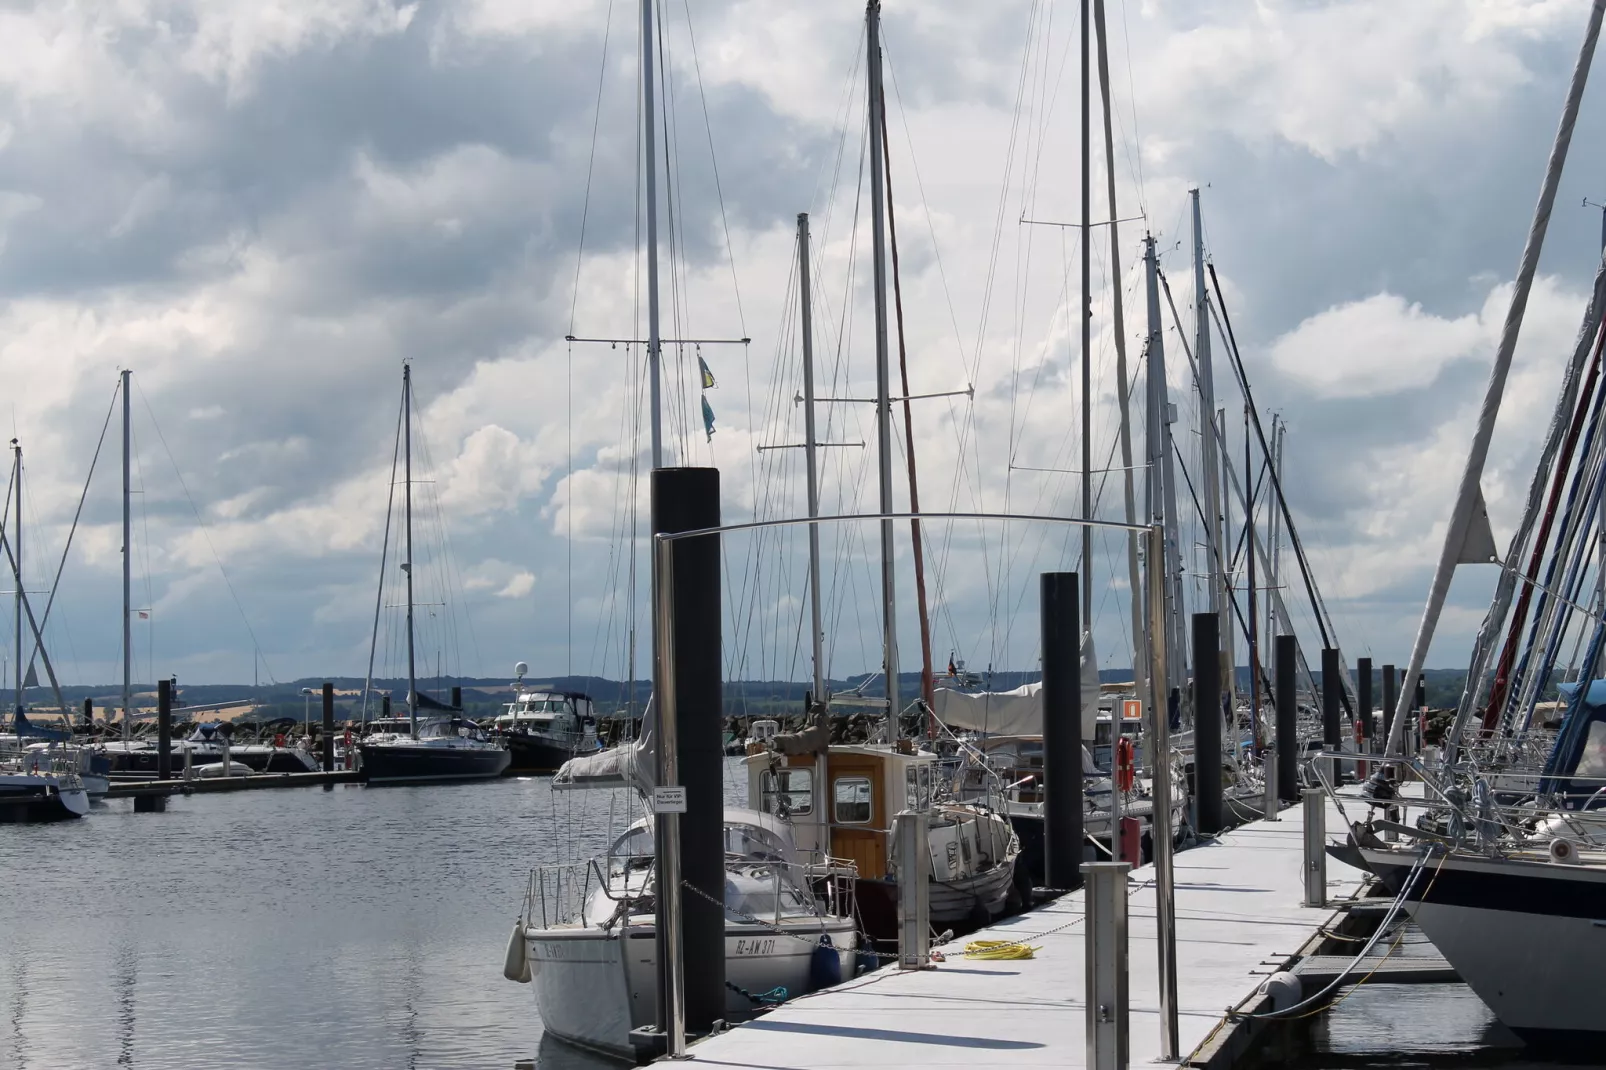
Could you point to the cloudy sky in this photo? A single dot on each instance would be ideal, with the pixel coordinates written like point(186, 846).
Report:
point(264, 209)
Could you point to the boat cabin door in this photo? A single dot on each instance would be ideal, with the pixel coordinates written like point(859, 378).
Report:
point(859, 823)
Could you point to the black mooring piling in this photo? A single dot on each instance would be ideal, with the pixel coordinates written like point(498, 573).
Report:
point(457, 697)
point(1391, 696)
point(1332, 698)
point(164, 729)
point(1363, 704)
point(328, 727)
point(686, 499)
point(89, 711)
point(1207, 717)
point(1284, 652)
point(1062, 730)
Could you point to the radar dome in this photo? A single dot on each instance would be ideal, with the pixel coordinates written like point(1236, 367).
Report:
point(520, 669)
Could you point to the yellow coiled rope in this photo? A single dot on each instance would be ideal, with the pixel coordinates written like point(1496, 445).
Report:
point(998, 950)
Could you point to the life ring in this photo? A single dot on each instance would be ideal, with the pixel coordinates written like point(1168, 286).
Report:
point(278, 739)
point(1125, 764)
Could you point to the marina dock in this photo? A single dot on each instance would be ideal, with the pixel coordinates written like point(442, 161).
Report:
point(1239, 919)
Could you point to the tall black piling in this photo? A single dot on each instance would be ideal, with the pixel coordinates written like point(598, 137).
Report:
point(89, 711)
point(1062, 730)
point(1284, 653)
point(1391, 696)
point(384, 707)
point(1332, 698)
point(328, 727)
point(687, 499)
point(1421, 693)
point(1207, 717)
point(1363, 704)
point(164, 730)
point(457, 697)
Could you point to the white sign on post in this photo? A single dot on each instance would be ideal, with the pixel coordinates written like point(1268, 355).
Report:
point(669, 799)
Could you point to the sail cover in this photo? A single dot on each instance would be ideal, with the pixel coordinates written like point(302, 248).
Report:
point(1018, 712)
point(633, 764)
point(26, 728)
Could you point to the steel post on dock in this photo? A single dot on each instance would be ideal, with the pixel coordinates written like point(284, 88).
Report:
point(691, 753)
point(1160, 831)
point(1207, 719)
point(164, 730)
point(457, 697)
point(1268, 759)
point(1062, 731)
point(1315, 847)
point(1105, 950)
point(911, 858)
point(328, 727)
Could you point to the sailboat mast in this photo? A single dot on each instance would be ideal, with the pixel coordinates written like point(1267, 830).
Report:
point(128, 609)
point(805, 315)
point(1274, 549)
point(1122, 386)
point(650, 158)
point(407, 498)
point(1161, 491)
point(1087, 338)
point(883, 372)
point(16, 542)
point(1254, 638)
point(1219, 601)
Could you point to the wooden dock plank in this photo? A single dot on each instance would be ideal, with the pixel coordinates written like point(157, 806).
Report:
point(1238, 909)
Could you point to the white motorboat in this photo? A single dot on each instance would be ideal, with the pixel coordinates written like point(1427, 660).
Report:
point(55, 794)
point(587, 943)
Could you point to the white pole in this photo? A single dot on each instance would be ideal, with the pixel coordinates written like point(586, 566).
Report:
point(650, 159)
point(1470, 496)
point(407, 496)
point(883, 375)
point(128, 611)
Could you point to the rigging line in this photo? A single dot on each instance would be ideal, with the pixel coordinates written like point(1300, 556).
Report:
point(591, 160)
point(1220, 307)
point(713, 158)
point(1134, 159)
point(384, 553)
point(205, 531)
point(55, 584)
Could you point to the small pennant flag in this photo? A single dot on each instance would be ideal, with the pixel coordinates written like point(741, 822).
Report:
point(708, 419)
point(708, 376)
point(144, 615)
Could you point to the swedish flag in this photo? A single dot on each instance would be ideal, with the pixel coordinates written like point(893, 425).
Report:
point(708, 376)
point(708, 419)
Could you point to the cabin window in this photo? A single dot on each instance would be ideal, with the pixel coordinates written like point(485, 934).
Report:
point(852, 800)
point(788, 792)
point(917, 790)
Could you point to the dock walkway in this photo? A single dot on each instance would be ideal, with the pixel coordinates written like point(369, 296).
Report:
point(1239, 918)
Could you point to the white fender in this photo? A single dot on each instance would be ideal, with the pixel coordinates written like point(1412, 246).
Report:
point(516, 966)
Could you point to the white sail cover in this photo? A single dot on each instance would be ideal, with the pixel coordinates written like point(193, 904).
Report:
point(633, 764)
point(1018, 712)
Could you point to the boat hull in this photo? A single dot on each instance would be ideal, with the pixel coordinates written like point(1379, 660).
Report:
point(421, 764)
point(35, 798)
point(534, 755)
point(592, 987)
point(1527, 937)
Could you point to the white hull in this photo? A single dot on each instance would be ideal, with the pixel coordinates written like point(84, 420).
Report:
point(1511, 960)
point(593, 987)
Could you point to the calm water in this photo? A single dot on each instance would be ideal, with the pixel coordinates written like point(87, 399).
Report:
point(358, 927)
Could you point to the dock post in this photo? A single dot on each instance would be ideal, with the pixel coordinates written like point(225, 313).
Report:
point(1062, 730)
point(89, 711)
point(1363, 711)
point(911, 856)
point(1105, 951)
point(1391, 697)
point(1286, 649)
point(1332, 700)
point(328, 727)
point(457, 696)
point(1207, 719)
point(1268, 758)
point(691, 752)
point(164, 729)
point(1315, 847)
